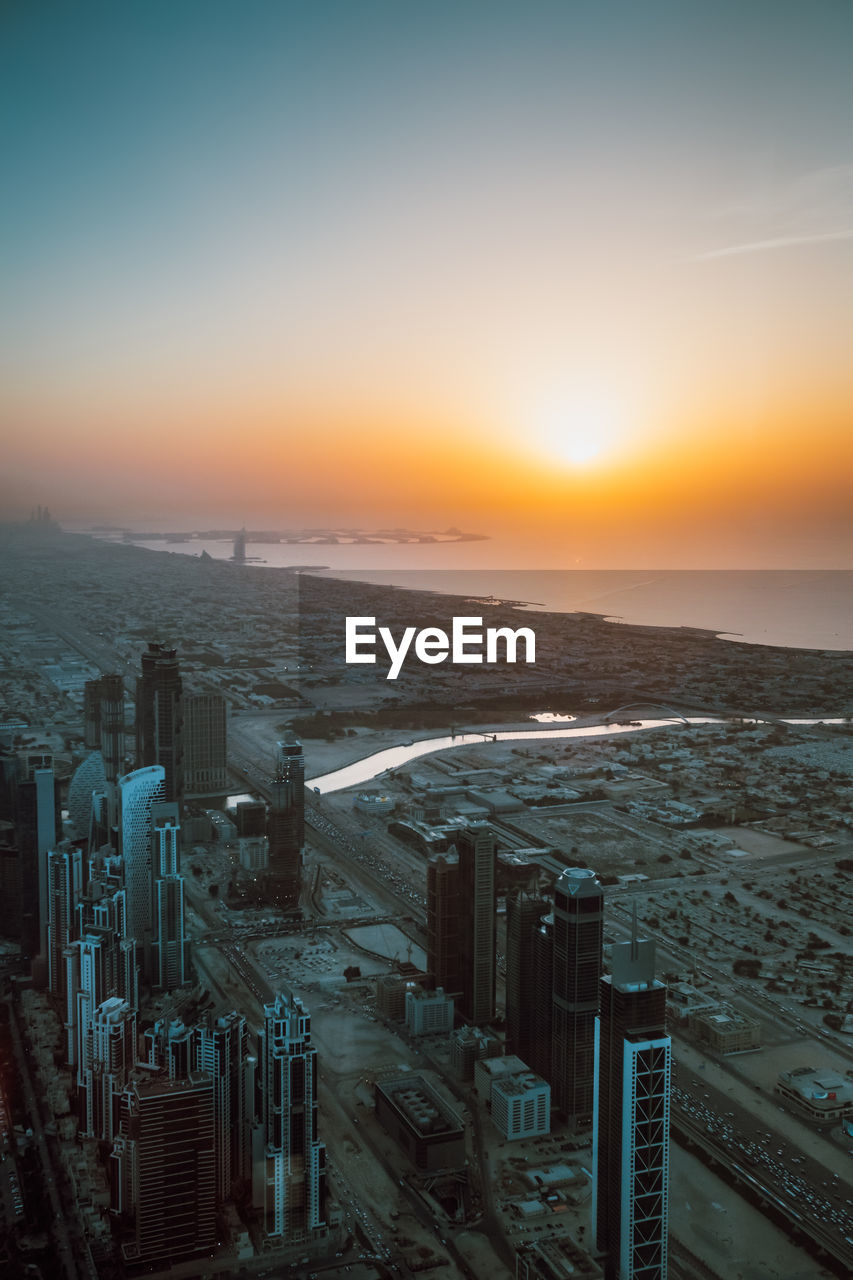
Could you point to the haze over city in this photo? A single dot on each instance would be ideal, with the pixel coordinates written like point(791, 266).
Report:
point(573, 276)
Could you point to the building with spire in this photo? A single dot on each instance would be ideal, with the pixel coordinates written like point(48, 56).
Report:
point(631, 1129)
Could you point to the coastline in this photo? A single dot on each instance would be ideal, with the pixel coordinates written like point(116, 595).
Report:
point(805, 608)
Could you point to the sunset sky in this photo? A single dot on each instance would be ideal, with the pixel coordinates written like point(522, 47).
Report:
point(576, 275)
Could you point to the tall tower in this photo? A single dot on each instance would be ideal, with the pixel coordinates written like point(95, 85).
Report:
point(138, 792)
point(37, 829)
point(220, 1047)
point(524, 912)
point(578, 941)
point(477, 849)
point(65, 871)
point(286, 824)
point(443, 961)
point(205, 743)
point(631, 1132)
point(104, 721)
point(169, 965)
point(290, 1170)
point(162, 1167)
point(108, 1057)
point(160, 717)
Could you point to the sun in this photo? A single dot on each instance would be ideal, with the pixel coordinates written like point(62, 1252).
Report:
point(582, 429)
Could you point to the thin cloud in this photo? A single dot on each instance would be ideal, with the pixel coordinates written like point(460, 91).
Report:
point(778, 242)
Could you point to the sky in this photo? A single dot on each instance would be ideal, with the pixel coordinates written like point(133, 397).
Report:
point(575, 275)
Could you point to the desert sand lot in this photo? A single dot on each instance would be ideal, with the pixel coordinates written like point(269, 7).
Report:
point(729, 1235)
point(761, 843)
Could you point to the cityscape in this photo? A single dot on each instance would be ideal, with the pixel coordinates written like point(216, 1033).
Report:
point(550, 1001)
point(426, 644)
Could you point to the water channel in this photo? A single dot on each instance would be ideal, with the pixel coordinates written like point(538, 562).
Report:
point(370, 767)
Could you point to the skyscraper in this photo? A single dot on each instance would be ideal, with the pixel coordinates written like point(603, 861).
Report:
point(576, 976)
point(286, 824)
point(524, 912)
point(220, 1047)
point(104, 722)
point(631, 1132)
point(162, 1166)
point(543, 1000)
point(443, 961)
point(65, 870)
point(160, 718)
point(477, 849)
point(169, 962)
point(289, 1165)
point(138, 792)
point(99, 965)
point(205, 743)
point(37, 830)
point(461, 911)
point(108, 1057)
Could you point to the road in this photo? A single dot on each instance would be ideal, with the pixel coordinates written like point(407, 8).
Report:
point(65, 1251)
point(766, 1165)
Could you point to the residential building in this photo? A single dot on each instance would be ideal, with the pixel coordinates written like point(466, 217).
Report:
point(163, 1167)
point(289, 1161)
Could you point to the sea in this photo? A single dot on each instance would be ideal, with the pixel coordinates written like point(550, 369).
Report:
point(794, 608)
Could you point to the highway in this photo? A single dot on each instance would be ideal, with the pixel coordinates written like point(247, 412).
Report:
point(765, 1166)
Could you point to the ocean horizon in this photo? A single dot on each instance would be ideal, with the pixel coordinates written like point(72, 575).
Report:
point(793, 608)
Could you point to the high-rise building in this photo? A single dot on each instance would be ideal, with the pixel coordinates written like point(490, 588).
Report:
point(170, 958)
point(65, 873)
point(576, 977)
point(138, 792)
point(107, 1059)
point(89, 779)
point(205, 743)
point(99, 965)
point(160, 718)
point(103, 703)
point(631, 1131)
point(443, 960)
point(168, 1045)
point(220, 1047)
point(162, 1167)
point(543, 1000)
point(286, 824)
point(38, 826)
point(477, 849)
point(289, 1162)
point(461, 919)
point(524, 912)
